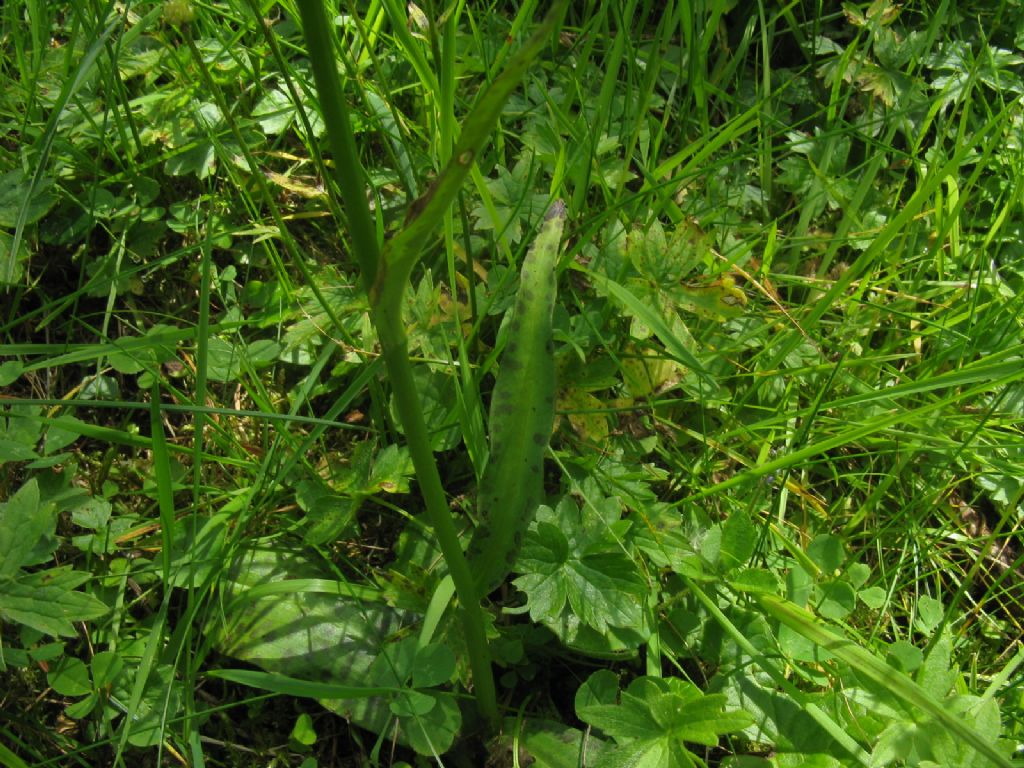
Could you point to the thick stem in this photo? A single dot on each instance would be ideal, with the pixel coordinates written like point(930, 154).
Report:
point(388, 322)
point(386, 315)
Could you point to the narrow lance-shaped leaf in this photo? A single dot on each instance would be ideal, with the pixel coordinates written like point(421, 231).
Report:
point(522, 414)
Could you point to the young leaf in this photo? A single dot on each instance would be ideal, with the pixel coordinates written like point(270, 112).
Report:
point(303, 732)
point(522, 414)
point(26, 530)
point(656, 715)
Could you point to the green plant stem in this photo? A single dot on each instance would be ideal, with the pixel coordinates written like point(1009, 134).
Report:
point(386, 316)
point(349, 175)
point(388, 321)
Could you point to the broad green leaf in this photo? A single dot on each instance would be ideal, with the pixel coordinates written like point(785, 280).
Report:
point(601, 688)
point(551, 744)
point(131, 362)
point(330, 509)
point(434, 665)
point(696, 717)
point(900, 742)
point(755, 580)
point(804, 760)
point(10, 370)
point(515, 201)
point(739, 538)
point(267, 592)
point(133, 354)
point(435, 731)
point(584, 580)
point(92, 513)
point(303, 732)
point(17, 196)
point(11, 270)
point(83, 707)
point(274, 112)
point(46, 601)
point(391, 471)
point(585, 413)
point(873, 597)
point(394, 664)
point(835, 599)
point(61, 434)
point(281, 616)
point(778, 718)
point(412, 704)
point(199, 159)
point(327, 514)
point(100, 388)
point(929, 614)
point(817, 179)
point(438, 405)
point(26, 530)
point(621, 721)
point(70, 677)
point(904, 656)
point(659, 714)
point(828, 552)
point(645, 373)
point(106, 666)
point(606, 590)
point(718, 300)
point(858, 574)
point(262, 352)
point(160, 703)
point(937, 674)
point(429, 719)
point(665, 260)
point(197, 548)
point(669, 539)
point(647, 753)
point(223, 360)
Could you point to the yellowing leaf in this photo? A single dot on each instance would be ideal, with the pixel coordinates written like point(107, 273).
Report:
point(295, 185)
point(719, 299)
point(586, 415)
point(647, 373)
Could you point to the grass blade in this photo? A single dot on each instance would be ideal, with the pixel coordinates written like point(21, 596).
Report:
point(653, 321)
point(294, 687)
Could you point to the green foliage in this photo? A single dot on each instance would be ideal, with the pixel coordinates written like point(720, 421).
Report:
point(46, 600)
point(290, 618)
point(521, 416)
point(771, 521)
point(581, 581)
point(653, 718)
